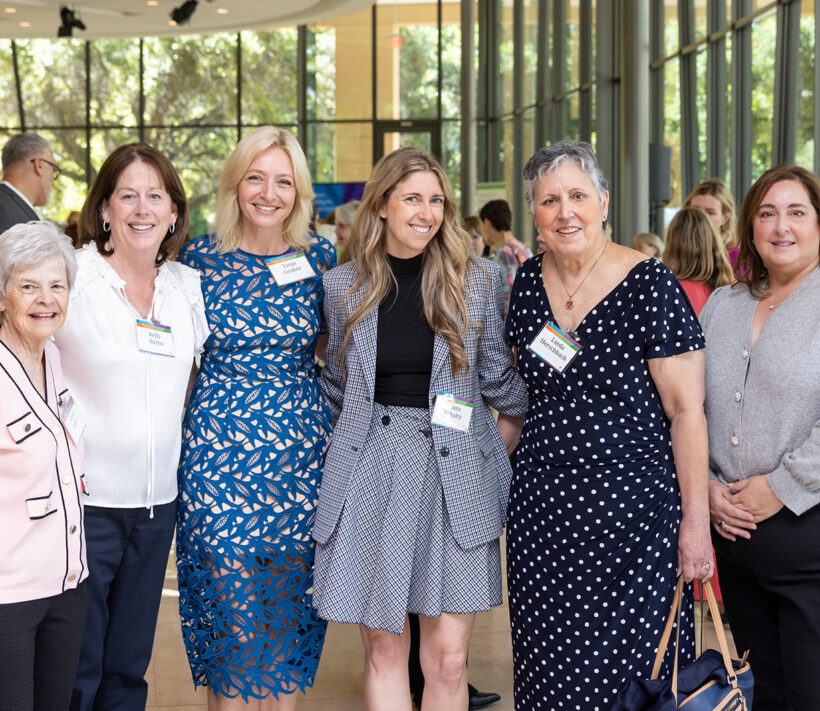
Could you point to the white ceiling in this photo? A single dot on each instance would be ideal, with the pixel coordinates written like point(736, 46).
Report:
point(136, 18)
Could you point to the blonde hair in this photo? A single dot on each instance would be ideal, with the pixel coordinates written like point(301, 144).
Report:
point(445, 258)
point(695, 251)
point(228, 222)
point(720, 191)
point(651, 239)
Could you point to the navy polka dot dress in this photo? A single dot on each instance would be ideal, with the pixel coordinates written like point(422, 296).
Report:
point(594, 505)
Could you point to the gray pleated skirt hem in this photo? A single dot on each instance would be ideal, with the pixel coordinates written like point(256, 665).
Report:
point(393, 550)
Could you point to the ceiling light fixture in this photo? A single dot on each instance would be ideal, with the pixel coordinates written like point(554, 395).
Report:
point(222, 11)
point(25, 24)
point(70, 22)
point(11, 10)
point(152, 3)
point(183, 13)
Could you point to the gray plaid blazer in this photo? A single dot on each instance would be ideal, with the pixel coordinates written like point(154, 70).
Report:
point(474, 466)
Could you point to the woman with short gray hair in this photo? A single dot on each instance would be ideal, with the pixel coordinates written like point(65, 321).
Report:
point(43, 595)
point(609, 497)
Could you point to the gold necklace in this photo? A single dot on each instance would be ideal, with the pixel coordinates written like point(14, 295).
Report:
point(569, 302)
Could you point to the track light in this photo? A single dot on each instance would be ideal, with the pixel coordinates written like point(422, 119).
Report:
point(70, 21)
point(183, 13)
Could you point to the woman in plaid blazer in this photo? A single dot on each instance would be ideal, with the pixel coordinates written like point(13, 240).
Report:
point(414, 491)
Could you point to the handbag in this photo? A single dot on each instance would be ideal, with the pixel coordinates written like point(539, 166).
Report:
point(713, 682)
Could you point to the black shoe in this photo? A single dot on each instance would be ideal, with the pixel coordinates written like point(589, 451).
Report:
point(481, 699)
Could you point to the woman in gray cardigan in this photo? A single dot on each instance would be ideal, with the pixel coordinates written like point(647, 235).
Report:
point(763, 410)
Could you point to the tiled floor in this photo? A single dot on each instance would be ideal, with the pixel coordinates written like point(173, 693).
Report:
point(339, 679)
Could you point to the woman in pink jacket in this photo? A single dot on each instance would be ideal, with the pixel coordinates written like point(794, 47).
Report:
point(43, 596)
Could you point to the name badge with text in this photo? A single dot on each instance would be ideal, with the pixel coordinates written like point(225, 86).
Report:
point(72, 418)
point(555, 347)
point(155, 338)
point(453, 412)
point(290, 268)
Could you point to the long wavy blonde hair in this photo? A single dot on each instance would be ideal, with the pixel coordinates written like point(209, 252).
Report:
point(228, 222)
point(444, 260)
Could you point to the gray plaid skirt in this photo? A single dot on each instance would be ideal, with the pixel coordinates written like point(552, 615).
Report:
point(393, 550)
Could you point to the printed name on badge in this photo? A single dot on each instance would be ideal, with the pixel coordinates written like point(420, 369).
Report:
point(290, 268)
point(453, 412)
point(155, 338)
point(72, 418)
point(555, 347)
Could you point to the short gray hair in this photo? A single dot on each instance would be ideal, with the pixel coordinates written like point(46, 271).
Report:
point(29, 243)
point(22, 146)
point(548, 159)
point(346, 213)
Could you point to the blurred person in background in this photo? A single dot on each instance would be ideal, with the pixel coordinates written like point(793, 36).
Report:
point(29, 172)
point(715, 199)
point(505, 250)
point(649, 244)
point(344, 216)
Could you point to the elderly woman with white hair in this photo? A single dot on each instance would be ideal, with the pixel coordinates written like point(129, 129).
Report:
point(43, 595)
point(609, 498)
point(345, 215)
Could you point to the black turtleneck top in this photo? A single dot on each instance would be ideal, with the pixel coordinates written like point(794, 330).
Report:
point(404, 345)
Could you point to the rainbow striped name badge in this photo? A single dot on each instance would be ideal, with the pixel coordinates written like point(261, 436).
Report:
point(555, 347)
point(290, 268)
point(453, 412)
point(155, 338)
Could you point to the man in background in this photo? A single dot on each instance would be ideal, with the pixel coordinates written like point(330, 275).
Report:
point(29, 171)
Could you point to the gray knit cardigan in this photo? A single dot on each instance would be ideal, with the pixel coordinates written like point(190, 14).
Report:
point(763, 403)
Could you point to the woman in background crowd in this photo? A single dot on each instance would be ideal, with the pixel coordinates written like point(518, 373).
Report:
point(649, 244)
point(715, 199)
point(415, 482)
point(505, 250)
point(135, 323)
point(255, 431)
point(609, 497)
point(345, 214)
point(763, 409)
point(43, 569)
point(695, 254)
point(472, 225)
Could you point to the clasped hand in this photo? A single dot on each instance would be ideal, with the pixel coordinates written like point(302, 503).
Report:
point(735, 510)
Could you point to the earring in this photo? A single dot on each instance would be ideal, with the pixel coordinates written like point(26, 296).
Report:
point(106, 226)
point(172, 227)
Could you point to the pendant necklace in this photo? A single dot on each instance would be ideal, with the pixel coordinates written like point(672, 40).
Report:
point(569, 302)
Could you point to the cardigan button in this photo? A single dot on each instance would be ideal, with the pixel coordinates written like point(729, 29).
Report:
point(738, 396)
point(72, 578)
point(27, 428)
point(66, 480)
point(735, 441)
point(73, 529)
point(745, 352)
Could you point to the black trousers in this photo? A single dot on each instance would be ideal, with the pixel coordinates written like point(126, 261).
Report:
point(771, 589)
point(39, 648)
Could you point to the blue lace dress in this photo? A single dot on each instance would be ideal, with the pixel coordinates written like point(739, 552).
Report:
point(253, 441)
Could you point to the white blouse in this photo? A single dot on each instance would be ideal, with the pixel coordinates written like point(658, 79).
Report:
point(131, 400)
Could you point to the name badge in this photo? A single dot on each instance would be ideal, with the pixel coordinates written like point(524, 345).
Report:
point(72, 418)
point(452, 412)
point(555, 347)
point(155, 338)
point(290, 268)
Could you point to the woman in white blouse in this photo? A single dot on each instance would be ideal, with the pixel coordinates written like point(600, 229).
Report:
point(136, 322)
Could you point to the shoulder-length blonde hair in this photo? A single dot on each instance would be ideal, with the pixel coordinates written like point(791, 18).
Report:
point(445, 258)
point(695, 251)
point(720, 191)
point(228, 222)
point(751, 269)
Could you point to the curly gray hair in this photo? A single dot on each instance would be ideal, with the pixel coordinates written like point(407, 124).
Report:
point(29, 243)
point(548, 159)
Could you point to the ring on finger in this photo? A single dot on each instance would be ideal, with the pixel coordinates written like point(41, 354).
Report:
point(721, 524)
point(706, 566)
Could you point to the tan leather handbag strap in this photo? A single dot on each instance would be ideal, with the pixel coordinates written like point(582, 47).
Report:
point(667, 631)
point(721, 635)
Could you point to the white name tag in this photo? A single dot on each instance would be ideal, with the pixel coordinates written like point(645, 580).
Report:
point(452, 412)
point(155, 338)
point(290, 268)
point(72, 418)
point(555, 347)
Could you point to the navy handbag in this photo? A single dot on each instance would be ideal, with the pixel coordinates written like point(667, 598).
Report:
point(713, 682)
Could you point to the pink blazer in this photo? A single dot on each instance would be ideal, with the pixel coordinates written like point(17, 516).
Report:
point(42, 542)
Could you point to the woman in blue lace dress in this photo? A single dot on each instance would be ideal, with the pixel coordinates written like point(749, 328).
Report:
point(254, 435)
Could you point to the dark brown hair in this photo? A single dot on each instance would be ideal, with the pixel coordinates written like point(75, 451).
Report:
point(750, 267)
point(90, 225)
point(695, 251)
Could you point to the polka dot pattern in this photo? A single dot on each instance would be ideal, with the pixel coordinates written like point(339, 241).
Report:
point(594, 504)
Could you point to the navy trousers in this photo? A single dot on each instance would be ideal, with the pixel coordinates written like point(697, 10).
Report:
point(39, 648)
point(127, 556)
